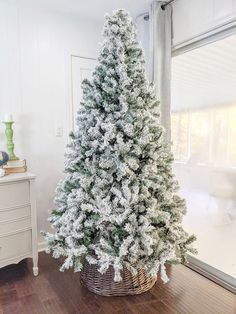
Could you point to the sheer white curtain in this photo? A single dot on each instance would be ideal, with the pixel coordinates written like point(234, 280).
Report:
point(160, 58)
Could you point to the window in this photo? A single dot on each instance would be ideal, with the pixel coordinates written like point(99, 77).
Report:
point(204, 146)
point(206, 136)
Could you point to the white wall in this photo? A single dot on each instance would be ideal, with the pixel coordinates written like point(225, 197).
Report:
point(35, 87)
point(194, 17)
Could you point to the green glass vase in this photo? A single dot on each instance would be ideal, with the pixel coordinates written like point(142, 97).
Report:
point(9, 136)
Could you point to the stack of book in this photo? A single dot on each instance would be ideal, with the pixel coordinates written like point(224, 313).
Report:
point(15, 166)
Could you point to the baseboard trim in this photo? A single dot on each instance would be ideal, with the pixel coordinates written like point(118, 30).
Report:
point(42, 246)
point(212, 273)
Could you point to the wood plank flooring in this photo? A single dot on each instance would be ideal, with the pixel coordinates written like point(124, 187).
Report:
point(53, 292)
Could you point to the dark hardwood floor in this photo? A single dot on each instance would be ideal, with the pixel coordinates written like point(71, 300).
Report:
point(55, 292)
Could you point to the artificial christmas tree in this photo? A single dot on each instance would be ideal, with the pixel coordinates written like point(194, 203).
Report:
point(116, 208)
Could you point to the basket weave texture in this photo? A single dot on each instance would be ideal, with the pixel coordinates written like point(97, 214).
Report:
point(103, 284)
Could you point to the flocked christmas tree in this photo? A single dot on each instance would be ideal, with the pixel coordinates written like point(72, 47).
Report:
point(117, 198)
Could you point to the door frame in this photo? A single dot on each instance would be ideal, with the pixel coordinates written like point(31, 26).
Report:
point(210, 36)
point(212, 273)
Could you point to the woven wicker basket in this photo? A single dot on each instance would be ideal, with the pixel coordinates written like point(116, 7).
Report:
point(103, 284)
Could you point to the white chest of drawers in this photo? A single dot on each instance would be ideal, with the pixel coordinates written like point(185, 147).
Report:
point(18, 220)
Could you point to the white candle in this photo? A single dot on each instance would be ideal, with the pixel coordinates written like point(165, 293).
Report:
point(8, 118)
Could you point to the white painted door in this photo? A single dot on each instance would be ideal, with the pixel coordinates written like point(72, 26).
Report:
point(82, 68)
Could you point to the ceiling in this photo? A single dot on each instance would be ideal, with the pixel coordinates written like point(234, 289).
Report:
point(205, 76)
point(94, 9)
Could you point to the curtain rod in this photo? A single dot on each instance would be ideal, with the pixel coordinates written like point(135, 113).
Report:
point(146, 15)
point(165, 4)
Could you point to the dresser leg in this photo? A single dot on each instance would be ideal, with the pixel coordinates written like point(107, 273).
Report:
point(35, 271)
point(35, 264)
point(34, 228)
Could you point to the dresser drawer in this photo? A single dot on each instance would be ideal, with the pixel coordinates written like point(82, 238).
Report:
point(15, 245)
point(14, 213)
point(14, 194)
point(13, 226)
